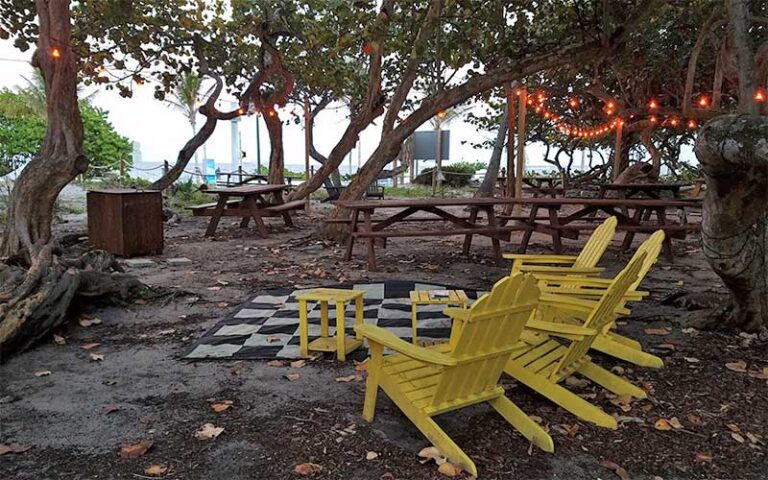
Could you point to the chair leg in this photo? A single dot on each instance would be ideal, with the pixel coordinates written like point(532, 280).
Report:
point(609, 381)
point(559, 395)
point(372, 382)
point(523, 423)
point(618, 350)
point(414, 317)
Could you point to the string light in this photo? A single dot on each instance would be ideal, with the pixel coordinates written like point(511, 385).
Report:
point(653, 104)
point(240, 111)
point(653, 119)
point(674, 122)
point(519, 92)
point(703, 101)
point(573, 102)
point(271, 112)
point(441, 114)
point(692, 124)
point(760, 95)
point(56, 53)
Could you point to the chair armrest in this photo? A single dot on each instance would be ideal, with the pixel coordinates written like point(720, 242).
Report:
point(527, 259)
point(589, 292)
point(564, 328)
point(456, 313)
point(567, 302)
point(393, 342)
point(536, 269)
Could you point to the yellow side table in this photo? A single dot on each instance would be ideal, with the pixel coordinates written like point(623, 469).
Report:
point(435, 297)
point(342, 344)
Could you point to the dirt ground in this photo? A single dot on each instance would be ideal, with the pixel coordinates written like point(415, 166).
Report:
point(77, 417)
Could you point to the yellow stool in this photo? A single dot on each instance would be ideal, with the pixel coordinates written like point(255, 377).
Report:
point(429, 297)
point(342, 345)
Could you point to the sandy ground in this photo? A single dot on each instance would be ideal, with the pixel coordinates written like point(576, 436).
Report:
point(77, 418)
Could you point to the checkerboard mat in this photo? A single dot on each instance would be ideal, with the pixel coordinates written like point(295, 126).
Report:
point(267, 326)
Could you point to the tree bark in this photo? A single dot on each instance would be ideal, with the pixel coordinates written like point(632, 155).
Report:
point(488, 185)
point(276, 166)
point(61, 157)
point(733, 152)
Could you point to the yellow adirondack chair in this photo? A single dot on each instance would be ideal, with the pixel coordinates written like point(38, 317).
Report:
point(424, 382)
point(541, 365)
point(582, 289)
point(582, 264)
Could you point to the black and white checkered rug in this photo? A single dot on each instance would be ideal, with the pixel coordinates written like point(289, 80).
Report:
point(267, 326)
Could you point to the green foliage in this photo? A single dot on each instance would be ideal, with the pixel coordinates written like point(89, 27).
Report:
point(286, 173)
point(112, 180)
point(457, 174)
point(103, 146)
point(419, 191)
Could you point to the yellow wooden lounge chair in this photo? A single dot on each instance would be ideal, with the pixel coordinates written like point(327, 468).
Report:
point(583, 264)
point(542, 365)
point(425, 382)
point(608, 342)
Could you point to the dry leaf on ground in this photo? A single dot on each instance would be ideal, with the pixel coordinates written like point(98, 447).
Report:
point(42, 373)
point(87, 322)
point(662, 424)
point(292, 377)
point(307, 468)
point(133, 450)
point(615, 468)
point(13, 448)
point(371, 456)
point(703, 457)
point(156, 470)
point(737, 437)
point(737, 366)
point(219, 407)
point(350, 378)
point(276, 363)
point(89, 346)
point(432, 453)
point(208, 432)
point(97, 357)
point(363, 366)
point(59, 340)
point(298, 363)
point(449, 469)
point(658, 331)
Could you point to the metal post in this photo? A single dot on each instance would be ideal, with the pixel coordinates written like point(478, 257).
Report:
point(307, 141)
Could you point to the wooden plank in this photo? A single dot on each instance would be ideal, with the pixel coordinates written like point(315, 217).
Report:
point(485, 231)
point(248, 189)
point(545, 202)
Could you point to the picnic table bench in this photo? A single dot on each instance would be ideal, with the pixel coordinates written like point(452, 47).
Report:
point(249, 202)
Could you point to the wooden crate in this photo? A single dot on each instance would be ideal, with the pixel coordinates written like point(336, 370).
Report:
point(126, 222)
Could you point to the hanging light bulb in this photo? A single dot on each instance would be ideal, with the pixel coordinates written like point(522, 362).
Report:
point(674, 122)
point(653, 104)
point(653, 119)
point(760, 95)
point(240, 111)
point(703, 101)
point(692, 124)
point(56, 53)
point(573, 102)
point(441, 114)
point(519, 92)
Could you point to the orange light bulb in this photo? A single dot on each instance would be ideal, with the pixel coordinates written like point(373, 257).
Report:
point(692, 124)
point(653, 104)
point(56, 53)
point(674, 122)
point(653, 119)
point(760, 95)
point(441, 114)
point(703, 101)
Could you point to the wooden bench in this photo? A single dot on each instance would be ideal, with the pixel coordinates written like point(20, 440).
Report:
point(204, 209)
point(284, 207)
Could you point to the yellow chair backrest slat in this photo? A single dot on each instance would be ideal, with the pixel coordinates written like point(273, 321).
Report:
point(487, 337)
point(602, 315)
point(597, 244)
point(651, 247)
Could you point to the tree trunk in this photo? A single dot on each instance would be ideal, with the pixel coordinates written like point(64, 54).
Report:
point(61, 157)
point(733, 152)
point(186, 154)
point(276, 165)
point(488, 186)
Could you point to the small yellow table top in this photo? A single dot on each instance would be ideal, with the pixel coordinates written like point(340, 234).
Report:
point(425, 297)
point(330, 295)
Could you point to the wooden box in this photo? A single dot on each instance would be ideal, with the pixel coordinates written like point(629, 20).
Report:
point(126, 222)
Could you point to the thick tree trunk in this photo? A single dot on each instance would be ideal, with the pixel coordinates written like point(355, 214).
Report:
point(276, 165)
point(61, 157)
point(733, 152)
point(488, 185)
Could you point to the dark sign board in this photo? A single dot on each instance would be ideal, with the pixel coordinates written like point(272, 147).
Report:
point(425, 145)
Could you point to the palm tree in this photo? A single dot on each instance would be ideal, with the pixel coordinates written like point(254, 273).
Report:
point(187, 100)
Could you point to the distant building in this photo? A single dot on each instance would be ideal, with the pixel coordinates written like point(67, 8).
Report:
point(136, 154)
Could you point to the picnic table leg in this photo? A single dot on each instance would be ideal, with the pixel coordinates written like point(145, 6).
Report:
point(554, 223)
point(661, 216)
point(468, 238)
point(368, 228)
point(489, 211)
point(246, 218)
point(263, 232)
point(629, 236)
point(351, 238)
point(221, 204)
point(531, 224)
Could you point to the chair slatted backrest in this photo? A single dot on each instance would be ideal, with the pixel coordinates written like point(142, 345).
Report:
point(602, 315)
point(487, 337)
point(651, 247)
point(597, 244)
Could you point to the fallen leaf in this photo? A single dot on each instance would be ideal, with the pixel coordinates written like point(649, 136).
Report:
point(449, 469)
point(273, 339)
point(350, 378)
point(208, 432)
point(307, 468)
point(658, 331)
point(432, 453)
point(298, 363)
point(13, 448)
point(754, 439)
point(133, 450)
point(214, 289)
point(110, 408)
point(615, 468)
point(292, 376)
point(732, 427)
point(87, 322)
point(737, 437)
point(42, 373)
point(666, 346)
point(97, 357)
point(760, 375)
point(694, 420)
point(662, 424)
point(223, 304)
point(675, 423)
point(219, 407)
point(576, 382)
point(59, 340)
point(156, 470)
point(737, 366)
point(371, 456)
point(363, 366)
point(276, 363)
point(703, 457)
point(89, 346)
point(691, 359)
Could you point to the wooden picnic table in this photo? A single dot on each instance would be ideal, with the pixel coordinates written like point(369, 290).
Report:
point(246, 201)
point(648, 190)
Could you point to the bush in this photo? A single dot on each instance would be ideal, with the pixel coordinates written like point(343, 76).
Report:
point(455, 175)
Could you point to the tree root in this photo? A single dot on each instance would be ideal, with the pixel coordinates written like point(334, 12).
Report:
point(36, 300)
